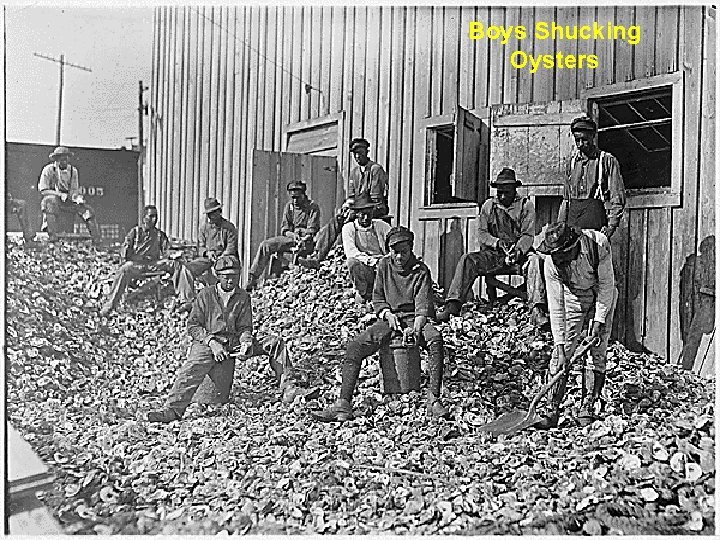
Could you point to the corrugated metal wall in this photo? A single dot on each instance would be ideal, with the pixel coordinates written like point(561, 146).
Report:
point(228, 79)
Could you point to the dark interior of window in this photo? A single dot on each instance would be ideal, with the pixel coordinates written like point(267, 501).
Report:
point(444, 157)
point(636, 128)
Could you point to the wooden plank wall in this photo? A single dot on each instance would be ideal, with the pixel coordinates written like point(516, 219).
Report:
point(227, 79)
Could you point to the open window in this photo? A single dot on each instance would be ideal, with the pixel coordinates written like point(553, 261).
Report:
point(452, 159)
point(639, 123)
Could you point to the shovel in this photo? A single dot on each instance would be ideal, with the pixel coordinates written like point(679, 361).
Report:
point(517, 420)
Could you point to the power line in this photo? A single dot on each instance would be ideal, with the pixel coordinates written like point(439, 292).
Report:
point(308, 86)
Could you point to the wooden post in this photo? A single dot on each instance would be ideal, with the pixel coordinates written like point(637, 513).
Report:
point(141, 154)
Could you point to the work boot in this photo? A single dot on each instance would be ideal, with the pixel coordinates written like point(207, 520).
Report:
point(452, 308)
point(185, 307)
point(312, 264)
point(340, 411)
point(164, 416)
point(549, 421)
point(251, 282)
point(538, 317)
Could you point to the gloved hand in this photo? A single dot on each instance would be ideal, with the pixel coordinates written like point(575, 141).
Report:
point(418, 325)
point(392, 320)
point(63, 197)
point(558, 361)
point(218, 350)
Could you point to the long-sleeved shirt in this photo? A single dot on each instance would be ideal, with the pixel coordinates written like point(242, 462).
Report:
point(54, 178)
point(515, 224)
point(301, 219)
point(145, 246)
point(209, 317)
point(371, 180)
point(221, 239)
point(582, 279)
point(582, 183)
point(364, 244)
point(407, 290)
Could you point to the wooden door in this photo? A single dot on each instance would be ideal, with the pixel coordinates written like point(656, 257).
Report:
point(272, 171)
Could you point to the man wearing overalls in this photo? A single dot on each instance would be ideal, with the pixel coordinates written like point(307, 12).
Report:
point(60, 189)
point(594, 196)
point(506, 234)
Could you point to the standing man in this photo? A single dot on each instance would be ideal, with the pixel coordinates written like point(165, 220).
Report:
point(507, 231)
point(366, 178)
point(217, 237)
point(60, 189)
point(403, 301)
point(145, 250)
point(300, 223)
point(594, 195)
point(220, 324)
point(364, 245)
point(580, 287)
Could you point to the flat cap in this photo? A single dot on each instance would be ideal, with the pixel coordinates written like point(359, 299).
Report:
point(227, 264)
point(398, 234)
point(297, 185)
point(584, 123)
point(359, 142)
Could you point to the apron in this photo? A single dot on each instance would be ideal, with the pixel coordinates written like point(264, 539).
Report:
point(588, 213)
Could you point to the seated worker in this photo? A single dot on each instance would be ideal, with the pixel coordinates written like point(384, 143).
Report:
point(221, 324)
point(60, 189)
point(594, 195)
point(507, 231)
point(217, 237)
point(144, 250)
point(17, 207)
point(301, 220)
point(367, 178)
point(364, 246)
point(403, 301)
point(580, 286)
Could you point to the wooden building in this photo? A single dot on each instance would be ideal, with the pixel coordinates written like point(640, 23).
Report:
point(246, 98)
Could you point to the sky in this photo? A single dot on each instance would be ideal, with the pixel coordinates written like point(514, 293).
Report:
point(99, 107)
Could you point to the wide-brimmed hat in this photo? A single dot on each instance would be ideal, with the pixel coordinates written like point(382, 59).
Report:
point(61, 151)
point(212, 204)
point(583, 123)
point(506, 177)
point(398, 234)
point(363, 202)
point(297, 185)
point(227, 264)
point(559, 238)
point(359, 142)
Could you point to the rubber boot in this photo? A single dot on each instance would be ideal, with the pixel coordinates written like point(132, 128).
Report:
point(586, 413)
point(436, 366)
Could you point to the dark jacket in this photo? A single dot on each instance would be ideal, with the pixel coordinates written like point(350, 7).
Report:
point(406, 291)
point(303, 220)
point(208, 318)
point(222, 240)
point(145, 246)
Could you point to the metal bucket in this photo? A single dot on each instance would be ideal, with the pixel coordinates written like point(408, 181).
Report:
point(400, 369)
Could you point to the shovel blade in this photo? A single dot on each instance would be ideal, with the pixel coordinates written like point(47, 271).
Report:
point(511, 422)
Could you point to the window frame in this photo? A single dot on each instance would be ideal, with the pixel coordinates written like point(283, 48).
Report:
point(665, 197)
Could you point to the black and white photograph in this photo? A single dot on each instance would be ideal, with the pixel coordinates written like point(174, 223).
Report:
point(345, 269)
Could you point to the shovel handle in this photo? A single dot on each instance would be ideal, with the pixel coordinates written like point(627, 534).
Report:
point(581, 350)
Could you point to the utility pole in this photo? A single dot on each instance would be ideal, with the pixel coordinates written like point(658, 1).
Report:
point(141, 149)
point(62, 63)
